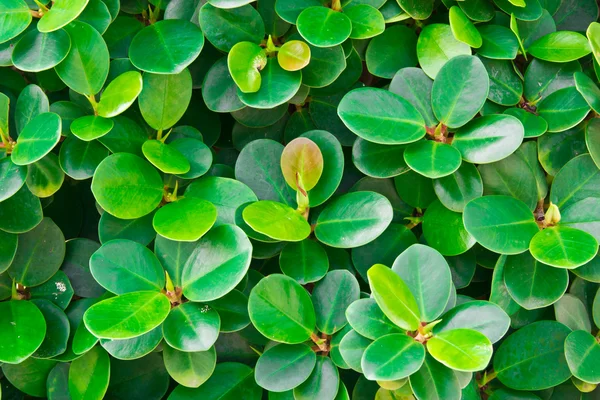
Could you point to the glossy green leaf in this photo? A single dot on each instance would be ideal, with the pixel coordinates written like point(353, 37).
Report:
point(226, 27)
point(164, 98)
point(461, 349)
point(28, 377)
point(459, 90)
point(367, 319)
point(532, 284)
point(166, 47)
point(11, 218)
point(392, 357)
point(86, 66)
point(563, 109)
point(305, 261)
point(282, 310)
point(499, 42)
point(563, 247)
point(45, 177)
point(380, 116)
point(127, 316)
point(245, 60)
point(120, 94)
point(323, 27)
point(127, 186)
point(588, 89)
point(330, 312)
point(187, 219)
point(91, 127)
point(381, 58)
point(323, 382)
point(500, 223)
point(89, 375)
point(38, 138)
point(445, 230)
point(190, 369)
point(437, 45)
point(576, 181)
point(277, 221)
point(432, 159)
point(277, 86)
point(520, 363)
point(191, 327)
point(582, 352)
point(284, 367)
point(37, 51)
point(394, 297)
point(435, 381)
point(456, 190)
point(560, 47)
point(15, 19)
point(218, 263)
point(463, 29)
point(366, 20)
point(22, 329)
point(12, 178)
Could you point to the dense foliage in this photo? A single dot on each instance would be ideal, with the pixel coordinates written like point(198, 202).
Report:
point(299, 199)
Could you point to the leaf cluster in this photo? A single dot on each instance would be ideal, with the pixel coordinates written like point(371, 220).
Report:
point(299, 199)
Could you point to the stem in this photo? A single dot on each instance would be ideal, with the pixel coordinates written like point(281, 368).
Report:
point(336, 5)
point(159, 134)
point(166, 136)
point(94, 103)
point(319, 342)
point(15, 294)
point(41, 6)
point(487, 378)
point(35, 14)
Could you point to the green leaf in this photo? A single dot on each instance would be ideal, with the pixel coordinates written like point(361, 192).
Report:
point(323, 382)
point(463, 29)
point(499, 42)
point(233, 310)
point(120, 94)
point(190, 369)
point(576, 181)
point(79, 159)
point(427, 275)
point(461, 349)
point(258, 166)
point(37, 139)
point(86, 66)
point(506, 87)
point(39, 255)
point(381, 58)
point(89, 375)
point(22, 331)
point(588, 89)
point(282, 310)
point(531, 12)
point(12, 178)
point(478, 315)
point(127, 186)
point(432, 159)
point(44, 178)
point(571, 311)
point(531, 367)
point(352, 348)
point(380, 116)
point(392, 357)
point(164, 98)
point(563, 247)
point(445, 230)
point(435, 381)
point(563, 109)
point(394, 297)
point(533, 125)
point(226, 27)
point(331, 296)
point(417, 9)
point(277, 86)
point(229, 379)
point(219, 89)
point(173, 220)
point(533, 284)
point(12, 220)
point(367, 21)
point(245, 60)
point(8, 249)
point(592, 34)
point(459, 90)
point(323, 27)
point(91, 127)
point(415, 86)
point(192, 327)
point(166, 47)
point(123, 266)
point(354, 219)
point(57, 329)
point(379, 160)
point(560, 47)
point(367, 319)
point(437, 45)
point(277, 221)
point(127, 316)
point(37, 51)
point(284, 367)
point(582, 352)
point(131, 349)
point(61, 14)
point(456, 190)
point(500, 223)
point(15, 20)
point(305, 261)
point(29, 377)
